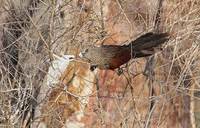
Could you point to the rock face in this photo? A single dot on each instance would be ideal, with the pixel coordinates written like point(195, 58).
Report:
point(67, 101)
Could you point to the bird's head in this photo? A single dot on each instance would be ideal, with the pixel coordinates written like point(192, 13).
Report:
point(85, 54)
point(90, 54)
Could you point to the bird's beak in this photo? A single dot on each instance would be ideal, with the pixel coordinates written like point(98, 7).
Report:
point(81, 55)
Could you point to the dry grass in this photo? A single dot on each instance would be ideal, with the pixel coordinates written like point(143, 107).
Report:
point(32, 31)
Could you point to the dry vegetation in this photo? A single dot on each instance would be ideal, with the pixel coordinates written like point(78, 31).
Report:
point(33, 31)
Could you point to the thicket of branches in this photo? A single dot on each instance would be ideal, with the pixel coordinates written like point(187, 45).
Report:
point(32, 31)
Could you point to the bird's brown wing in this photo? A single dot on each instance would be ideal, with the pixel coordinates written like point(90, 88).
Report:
point(116, 55)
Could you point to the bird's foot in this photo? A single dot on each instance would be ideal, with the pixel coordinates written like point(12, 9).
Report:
point(119, 71)
point(93, 67)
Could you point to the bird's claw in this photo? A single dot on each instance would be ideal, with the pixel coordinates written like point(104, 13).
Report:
point(93, 67)
point(119, 71)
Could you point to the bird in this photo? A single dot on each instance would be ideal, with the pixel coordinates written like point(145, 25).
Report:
point(113, 56)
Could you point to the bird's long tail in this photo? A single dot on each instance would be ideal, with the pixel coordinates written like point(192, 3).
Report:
point(145, 44)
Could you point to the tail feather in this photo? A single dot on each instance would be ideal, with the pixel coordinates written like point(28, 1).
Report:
point(149, 41)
